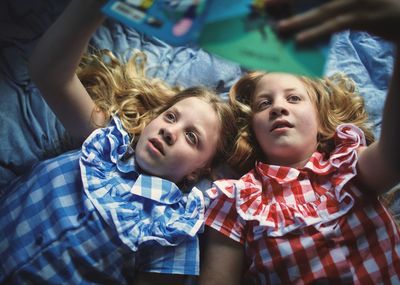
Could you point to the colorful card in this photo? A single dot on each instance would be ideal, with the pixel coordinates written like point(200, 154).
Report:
point(176, 22)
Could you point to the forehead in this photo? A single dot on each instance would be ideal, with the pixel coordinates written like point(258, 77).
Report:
point(198, 112)
point(273, 82)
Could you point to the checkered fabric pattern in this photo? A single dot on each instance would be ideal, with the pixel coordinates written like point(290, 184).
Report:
point(51, 232)
point(301, 226)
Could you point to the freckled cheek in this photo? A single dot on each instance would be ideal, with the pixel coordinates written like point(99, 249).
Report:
point(315, 123)
point(260, 125)
point(182, 155)
point(255, 121)
point(139, 149)
point(182, 166)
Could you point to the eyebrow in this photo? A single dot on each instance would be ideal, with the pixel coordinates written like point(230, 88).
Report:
point(266, 94)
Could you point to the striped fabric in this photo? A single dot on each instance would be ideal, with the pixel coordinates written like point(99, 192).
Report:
point(56, 227)
point(300, 226)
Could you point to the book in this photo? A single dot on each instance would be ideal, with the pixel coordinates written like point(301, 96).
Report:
point(239, 30)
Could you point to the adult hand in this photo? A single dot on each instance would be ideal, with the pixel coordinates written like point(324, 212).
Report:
point(378, 17)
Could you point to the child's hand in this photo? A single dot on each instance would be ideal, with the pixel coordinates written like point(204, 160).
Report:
point(379, 17)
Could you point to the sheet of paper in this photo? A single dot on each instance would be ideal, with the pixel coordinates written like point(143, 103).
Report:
point(253, 43)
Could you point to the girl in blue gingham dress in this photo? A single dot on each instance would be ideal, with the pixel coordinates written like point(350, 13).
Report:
point(79, 219)
point(111, 212)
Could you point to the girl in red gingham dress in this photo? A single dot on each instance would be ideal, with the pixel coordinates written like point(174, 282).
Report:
point(308, 212)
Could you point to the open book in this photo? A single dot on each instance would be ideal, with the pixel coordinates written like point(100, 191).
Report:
point(239, 30)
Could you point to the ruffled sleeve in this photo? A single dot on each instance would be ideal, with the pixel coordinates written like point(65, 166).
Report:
point(221, 214)
point(284, 199)
point(139, 207)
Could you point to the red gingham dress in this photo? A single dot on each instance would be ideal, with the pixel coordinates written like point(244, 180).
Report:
point(308, 224)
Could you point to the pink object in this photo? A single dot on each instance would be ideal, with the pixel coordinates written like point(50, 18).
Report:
point(182, 27)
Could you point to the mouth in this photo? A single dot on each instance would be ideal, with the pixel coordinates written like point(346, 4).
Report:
point(157, 144)
point(281, 124)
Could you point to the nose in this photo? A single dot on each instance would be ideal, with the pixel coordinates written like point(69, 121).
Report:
point(278, 108)
point(168, 134)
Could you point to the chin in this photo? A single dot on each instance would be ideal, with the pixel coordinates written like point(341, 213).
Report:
point(146, 167)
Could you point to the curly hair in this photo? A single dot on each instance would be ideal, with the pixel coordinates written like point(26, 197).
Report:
point(125, 90)
point(336, 100)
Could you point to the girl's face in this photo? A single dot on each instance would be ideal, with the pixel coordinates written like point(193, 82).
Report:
point(180, 141)
point(284, 120)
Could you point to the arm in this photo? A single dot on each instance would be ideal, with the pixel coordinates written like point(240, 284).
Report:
point(55, 59)
point(379, 164)
point(223, 260)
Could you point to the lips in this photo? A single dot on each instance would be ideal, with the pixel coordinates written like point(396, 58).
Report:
point(281, 124)
point(157, 145)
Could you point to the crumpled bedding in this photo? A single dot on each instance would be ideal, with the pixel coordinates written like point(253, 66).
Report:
point(29, 130)
point(368, 60)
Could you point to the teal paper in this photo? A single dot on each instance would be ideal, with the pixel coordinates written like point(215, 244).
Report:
point(255, 45)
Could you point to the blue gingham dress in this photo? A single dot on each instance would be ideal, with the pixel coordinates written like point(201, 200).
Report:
point(90, 217)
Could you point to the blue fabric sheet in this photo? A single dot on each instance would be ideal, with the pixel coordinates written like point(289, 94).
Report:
point(28, 129)
point(369, 61)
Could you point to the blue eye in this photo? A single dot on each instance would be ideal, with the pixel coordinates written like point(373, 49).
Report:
point(192, 137)
point(170, 117)
point(293, 98)
point(263, 105)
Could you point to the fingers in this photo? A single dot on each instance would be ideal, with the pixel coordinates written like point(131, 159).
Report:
point(316, 15)
point(320, 21)
point(325, 29)
point(378, 17)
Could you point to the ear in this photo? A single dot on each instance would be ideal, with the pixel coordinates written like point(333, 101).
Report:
point(194, 176)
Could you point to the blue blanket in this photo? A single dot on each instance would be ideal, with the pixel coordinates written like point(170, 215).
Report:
point(29, 130)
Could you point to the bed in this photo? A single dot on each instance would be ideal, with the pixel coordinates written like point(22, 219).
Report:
point(30, 132)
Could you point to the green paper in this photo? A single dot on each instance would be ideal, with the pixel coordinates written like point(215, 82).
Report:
point(253, 44)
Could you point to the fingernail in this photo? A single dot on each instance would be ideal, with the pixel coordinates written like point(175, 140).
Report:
point(300, 37)
point(282, 24)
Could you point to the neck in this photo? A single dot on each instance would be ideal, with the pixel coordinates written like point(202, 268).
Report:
point(292, 161)
point(294, 164)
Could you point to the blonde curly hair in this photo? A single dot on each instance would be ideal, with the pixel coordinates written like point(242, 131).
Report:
point(336, 100)
point(123, 89)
